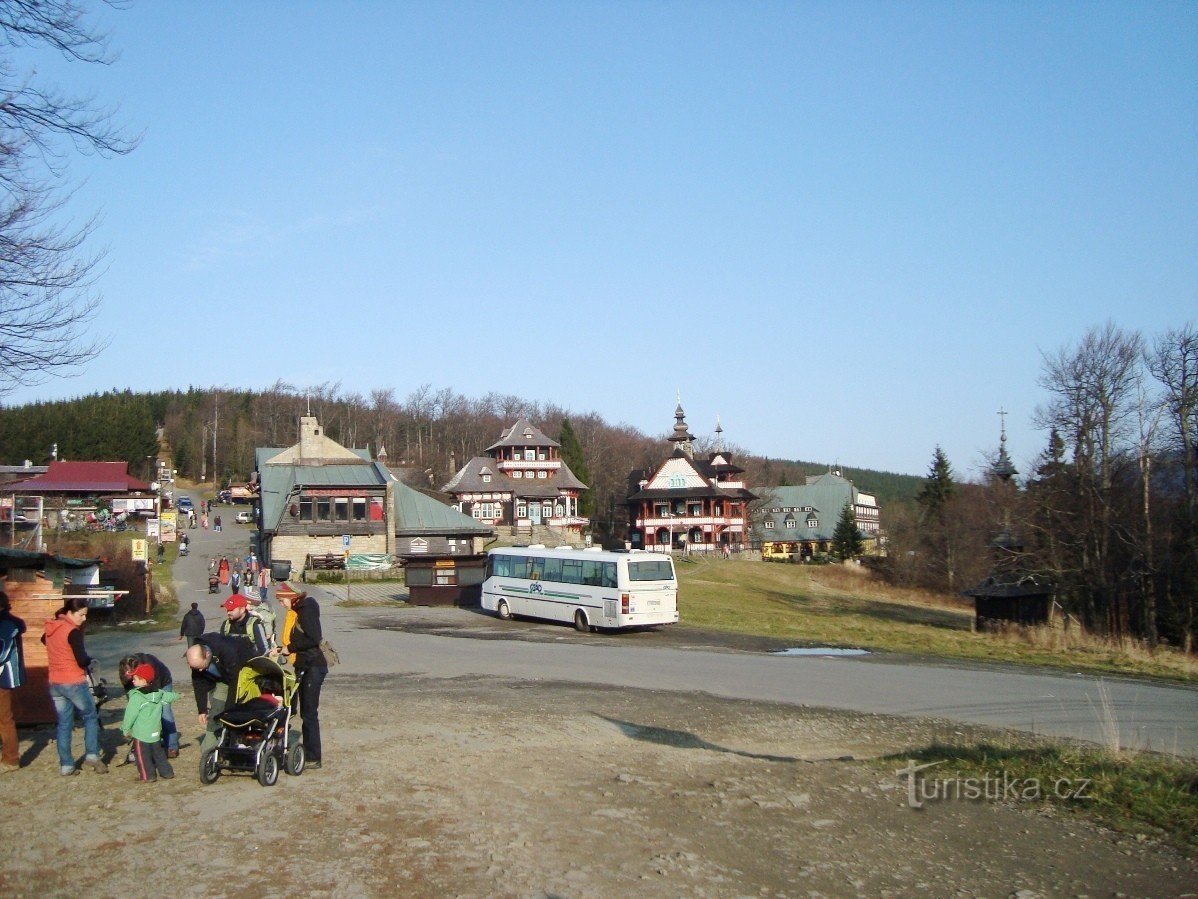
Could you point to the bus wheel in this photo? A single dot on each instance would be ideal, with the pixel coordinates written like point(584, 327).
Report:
point(503, 611)
point(580, 622)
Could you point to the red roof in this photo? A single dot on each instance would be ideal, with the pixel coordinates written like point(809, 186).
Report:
point(82, 477)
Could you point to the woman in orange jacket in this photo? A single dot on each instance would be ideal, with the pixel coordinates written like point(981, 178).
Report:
point(68, 664)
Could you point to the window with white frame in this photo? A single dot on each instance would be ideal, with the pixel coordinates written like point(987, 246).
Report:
point(790, 523)
point(542, 474)
point(812, 522)
point(530, 455)
point(677, 481)
point(486, 479)
point(769, 525)
point(517, 475)
point(521, 509)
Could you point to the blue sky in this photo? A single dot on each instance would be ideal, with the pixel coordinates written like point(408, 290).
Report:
point(847, 229)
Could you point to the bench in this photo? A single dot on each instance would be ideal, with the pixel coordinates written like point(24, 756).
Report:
point(325, 562)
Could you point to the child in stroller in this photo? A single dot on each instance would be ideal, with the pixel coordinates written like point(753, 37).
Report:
point(254, 734)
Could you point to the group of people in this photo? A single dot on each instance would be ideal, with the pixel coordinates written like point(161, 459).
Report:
point(215, 659)
point(246, 576)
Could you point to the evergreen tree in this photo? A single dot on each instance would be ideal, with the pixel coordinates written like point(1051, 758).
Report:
point(846, 539)
point(572, 456)
point(938, 487)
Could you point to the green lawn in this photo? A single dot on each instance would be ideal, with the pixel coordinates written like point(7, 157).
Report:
point(816, 605)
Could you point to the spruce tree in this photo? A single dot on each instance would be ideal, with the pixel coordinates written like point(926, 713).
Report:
point(938, 488)
point(572, 456)
point(846, 539)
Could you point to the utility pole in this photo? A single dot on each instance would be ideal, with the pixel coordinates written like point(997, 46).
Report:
point(215, 424)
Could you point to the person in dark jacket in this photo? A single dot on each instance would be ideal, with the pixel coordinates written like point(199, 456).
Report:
point(12, 677)
point(163, 680)
point(192, 625)
point(311, 668)
point(215, 661)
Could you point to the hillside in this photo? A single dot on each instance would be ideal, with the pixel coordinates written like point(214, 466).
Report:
point(213, 432)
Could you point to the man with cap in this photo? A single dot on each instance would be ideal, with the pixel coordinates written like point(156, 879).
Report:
point(215, 661)
point(240, 623)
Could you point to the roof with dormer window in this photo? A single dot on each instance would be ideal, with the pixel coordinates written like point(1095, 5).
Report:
point(522, 433)
point(470, 480)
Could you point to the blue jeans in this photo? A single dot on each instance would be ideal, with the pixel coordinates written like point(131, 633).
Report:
point(170, 730)
point(68, 699)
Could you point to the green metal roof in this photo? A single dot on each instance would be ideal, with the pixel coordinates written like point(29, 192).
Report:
point(414, 513)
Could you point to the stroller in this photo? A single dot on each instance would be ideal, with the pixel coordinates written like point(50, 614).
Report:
point(254, 734)
point(213, 584)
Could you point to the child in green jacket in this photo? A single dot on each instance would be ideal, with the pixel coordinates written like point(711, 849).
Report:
point(143, 722)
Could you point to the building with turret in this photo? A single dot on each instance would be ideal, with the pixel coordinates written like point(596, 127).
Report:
point(689, 504)
point(521, 481)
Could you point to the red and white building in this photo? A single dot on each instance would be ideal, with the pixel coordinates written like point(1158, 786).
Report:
point(688, 504)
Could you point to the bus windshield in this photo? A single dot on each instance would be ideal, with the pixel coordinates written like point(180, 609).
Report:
point(655, 570)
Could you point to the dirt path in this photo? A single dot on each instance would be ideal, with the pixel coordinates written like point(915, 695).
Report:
point(485, 788)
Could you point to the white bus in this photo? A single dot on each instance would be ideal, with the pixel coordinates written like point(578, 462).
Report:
point(591, 587)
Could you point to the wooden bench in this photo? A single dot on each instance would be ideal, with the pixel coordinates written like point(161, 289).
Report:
point(325, 562)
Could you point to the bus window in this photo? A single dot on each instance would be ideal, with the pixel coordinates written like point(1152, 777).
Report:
point(590, 573)
point(553, 570)
point(655, 570)
point(536, 569)
point(609, 575)
point(571, 571)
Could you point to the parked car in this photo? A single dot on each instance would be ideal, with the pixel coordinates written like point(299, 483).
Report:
point(245, 517)
point(184, 504)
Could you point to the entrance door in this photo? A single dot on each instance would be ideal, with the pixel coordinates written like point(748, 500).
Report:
point(534, 512)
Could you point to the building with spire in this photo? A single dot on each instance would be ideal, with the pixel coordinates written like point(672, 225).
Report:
point(1009, 593)
point(689, 504)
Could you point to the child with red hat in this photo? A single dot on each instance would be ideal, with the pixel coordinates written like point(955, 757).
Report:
point(143, 722)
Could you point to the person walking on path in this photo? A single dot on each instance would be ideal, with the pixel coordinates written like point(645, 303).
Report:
point(216, 524)
point(68, 664)
point(192, 625)
point(143, 722)
point(204, 521)
point(303, 633)
point(12, 677)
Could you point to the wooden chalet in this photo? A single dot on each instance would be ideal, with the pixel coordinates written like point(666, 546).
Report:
point(689, 504)
point(522, 481)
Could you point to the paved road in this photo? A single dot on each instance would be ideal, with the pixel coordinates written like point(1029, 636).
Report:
point(1145, 715)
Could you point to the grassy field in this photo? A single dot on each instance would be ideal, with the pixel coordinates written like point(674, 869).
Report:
point(832, 605)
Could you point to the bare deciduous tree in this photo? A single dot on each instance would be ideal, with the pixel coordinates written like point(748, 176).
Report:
point(46, 279)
